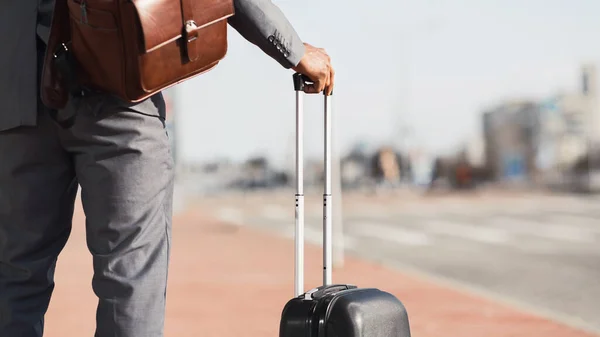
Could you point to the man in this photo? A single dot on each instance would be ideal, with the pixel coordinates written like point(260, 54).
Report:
point(119, 154)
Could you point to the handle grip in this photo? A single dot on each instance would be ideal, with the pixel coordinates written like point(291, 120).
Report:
point(301, 81)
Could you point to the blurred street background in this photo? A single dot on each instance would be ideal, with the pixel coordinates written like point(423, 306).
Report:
point(532, 250)
point(466, 152)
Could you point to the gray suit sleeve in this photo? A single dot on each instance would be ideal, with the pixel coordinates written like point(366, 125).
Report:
point(262, 23)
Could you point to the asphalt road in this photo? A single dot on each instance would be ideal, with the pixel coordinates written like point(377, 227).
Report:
point(540, 253)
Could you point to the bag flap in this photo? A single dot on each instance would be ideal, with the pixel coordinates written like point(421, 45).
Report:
point(161, 20)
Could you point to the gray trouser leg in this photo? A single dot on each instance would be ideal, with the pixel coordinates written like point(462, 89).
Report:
point(37, 193)
point(124, 166)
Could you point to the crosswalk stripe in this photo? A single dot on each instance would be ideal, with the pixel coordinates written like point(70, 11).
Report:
point(394, 234)
point(585, 222)
point(316, 237)
point(231, 215)
point(548, 230)
point(468, 231)
point(275, 212)
point(497, 230)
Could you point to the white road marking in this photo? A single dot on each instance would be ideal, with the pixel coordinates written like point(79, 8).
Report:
point(497, 230)
point(231, 215)
point(315, 237)
point(393, 234)
point(586, 222)
point(277, 212)
point(470, 232)
point(551, 231)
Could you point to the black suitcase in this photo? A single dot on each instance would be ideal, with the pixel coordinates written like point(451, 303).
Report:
point(332, 310)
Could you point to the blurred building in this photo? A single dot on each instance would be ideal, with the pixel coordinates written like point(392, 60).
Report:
point(355, 167)
point(570, 125)
point(475, 151)
point(421, 164)
point(510, 136)
point(388, 163)
point(528, 140)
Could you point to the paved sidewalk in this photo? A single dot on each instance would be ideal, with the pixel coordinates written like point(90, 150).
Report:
point(228, 281)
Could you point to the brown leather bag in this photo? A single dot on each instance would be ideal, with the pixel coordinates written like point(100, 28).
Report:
point(133, 48)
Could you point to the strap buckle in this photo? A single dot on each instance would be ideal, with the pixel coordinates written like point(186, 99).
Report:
point(191, 35)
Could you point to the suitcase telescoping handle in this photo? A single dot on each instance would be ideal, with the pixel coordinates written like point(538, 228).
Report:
point(299, 82)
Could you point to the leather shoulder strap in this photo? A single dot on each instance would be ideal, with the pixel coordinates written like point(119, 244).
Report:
point(190, 31)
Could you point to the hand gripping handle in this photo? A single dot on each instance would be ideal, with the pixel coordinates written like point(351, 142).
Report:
point(301, 81)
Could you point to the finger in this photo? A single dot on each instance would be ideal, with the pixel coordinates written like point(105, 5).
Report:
point(316, 87)
point(320, 84)
point(331, 82)
point(327, 82)
point(310, 89)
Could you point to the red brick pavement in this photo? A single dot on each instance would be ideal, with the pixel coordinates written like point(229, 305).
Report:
point(227, 281)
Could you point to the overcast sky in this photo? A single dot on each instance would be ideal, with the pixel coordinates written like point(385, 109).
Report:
point(432, 65)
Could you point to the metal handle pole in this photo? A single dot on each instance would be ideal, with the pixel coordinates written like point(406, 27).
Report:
point(327, 198)
point(336, 189)
point(299, 82)
point(299, 211)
